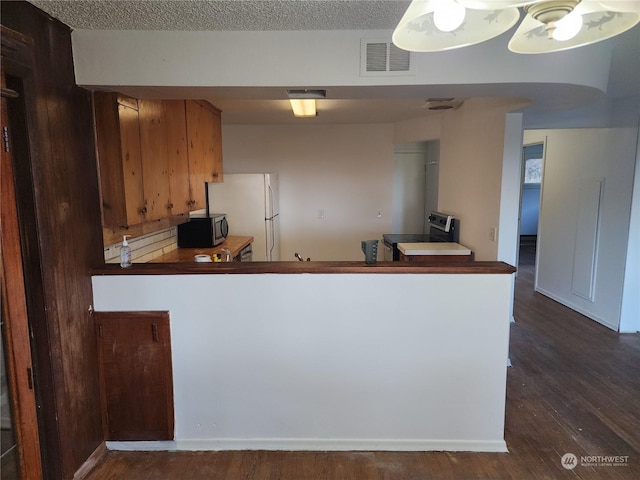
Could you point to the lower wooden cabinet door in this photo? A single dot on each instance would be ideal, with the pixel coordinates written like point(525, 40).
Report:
point(134, 360)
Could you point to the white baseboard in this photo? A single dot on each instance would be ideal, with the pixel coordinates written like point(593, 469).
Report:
point(315, 444)
point(577, 308)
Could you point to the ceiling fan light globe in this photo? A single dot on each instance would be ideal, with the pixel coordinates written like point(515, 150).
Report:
point(568, 27)
point(448, 15)
point(417, 31)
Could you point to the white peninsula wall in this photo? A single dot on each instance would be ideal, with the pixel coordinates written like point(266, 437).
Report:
point(329, 361)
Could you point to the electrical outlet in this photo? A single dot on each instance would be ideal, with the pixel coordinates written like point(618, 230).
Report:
point(379, 214)
point(493, 233)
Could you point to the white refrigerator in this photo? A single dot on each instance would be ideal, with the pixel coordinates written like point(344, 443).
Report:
point(251, 204)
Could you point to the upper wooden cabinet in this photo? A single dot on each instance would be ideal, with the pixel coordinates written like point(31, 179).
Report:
point(155, 157)
point(177, 156)
point(119, 154)
point(204, 135)
point(155, 160)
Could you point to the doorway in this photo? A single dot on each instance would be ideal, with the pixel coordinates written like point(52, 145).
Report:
point(532, 169)
point(415, 186)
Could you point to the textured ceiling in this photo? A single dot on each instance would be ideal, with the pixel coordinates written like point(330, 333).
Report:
point(226, 14)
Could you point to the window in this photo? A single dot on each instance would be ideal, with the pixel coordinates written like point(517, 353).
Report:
point(533, 164)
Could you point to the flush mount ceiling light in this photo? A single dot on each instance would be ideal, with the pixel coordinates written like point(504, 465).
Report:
point(548, 26)
point(303, 102)
point(303, 107)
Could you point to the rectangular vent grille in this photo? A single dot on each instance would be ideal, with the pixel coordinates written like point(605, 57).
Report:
point(376, 57)
point(399, 60)
point(384, 58)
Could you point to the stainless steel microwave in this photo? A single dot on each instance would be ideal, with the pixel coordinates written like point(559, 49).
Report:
point(202, 231)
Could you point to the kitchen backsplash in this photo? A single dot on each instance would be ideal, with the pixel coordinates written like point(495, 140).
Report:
point(146, 248)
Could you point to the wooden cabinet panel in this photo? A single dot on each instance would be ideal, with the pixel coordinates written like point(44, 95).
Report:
point(205, 149)
point(134, 355)
point(178, 156)
point(119, 158)
point(155, 163)
point(131, 165)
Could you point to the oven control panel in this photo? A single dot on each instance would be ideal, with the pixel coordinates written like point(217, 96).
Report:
point(440, 221)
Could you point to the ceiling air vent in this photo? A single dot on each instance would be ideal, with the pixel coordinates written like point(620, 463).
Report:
point(442, 103)
point(383, 58)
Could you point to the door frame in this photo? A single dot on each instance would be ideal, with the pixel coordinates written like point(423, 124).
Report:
point(523, 160)
point(19, 365)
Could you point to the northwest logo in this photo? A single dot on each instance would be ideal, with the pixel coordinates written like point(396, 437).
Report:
point(569, 461)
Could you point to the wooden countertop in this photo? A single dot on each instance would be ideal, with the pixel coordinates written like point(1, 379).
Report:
point(186, 255)
point(191, 268)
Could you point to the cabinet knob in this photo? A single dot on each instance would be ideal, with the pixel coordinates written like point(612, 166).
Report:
point(215, 174)
point(143, 210)
point(170, 206)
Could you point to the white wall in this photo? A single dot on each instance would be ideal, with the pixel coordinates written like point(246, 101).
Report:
point(344, 170)
point(507, 233)
point(312, 362)
point(324, 58)
point(630, 314)
point(428, 127)
point(471, 157)
point(574, 158)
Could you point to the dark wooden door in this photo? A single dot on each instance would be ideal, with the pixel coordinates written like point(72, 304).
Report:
point(134, 354)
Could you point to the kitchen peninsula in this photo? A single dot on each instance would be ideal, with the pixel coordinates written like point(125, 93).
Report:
point(327, 355)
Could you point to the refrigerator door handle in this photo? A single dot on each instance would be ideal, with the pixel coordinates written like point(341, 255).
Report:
point(270, 191)
point(272, 233)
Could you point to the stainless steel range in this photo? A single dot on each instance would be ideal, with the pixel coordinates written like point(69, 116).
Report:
point(442, 228)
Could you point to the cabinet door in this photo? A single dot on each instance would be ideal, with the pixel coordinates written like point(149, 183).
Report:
point(155, 164)
point(134, 359)
point(119, 158)
point(178, 157)
point(131, 165)
point(205, 150)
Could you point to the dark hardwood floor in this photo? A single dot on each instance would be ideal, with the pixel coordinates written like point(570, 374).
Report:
point(574, 388)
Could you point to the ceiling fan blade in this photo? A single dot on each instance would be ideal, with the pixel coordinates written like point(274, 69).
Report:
point(494, 4)
point(621, 5)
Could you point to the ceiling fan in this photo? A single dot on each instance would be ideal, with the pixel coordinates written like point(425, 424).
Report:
point(548, 25)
